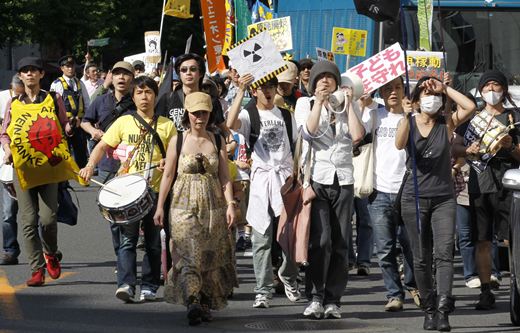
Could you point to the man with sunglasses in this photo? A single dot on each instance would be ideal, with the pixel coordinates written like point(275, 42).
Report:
point(191, 69)
point(38, 205)
point(272, 164)
point(305, 74)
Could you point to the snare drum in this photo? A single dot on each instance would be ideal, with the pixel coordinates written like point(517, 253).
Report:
point(125, 199)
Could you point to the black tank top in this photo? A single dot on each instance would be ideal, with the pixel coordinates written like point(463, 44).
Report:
point(433, 159)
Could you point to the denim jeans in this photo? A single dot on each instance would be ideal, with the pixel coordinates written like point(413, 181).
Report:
point(9, 225)
point(467, 245)
point(104, 176)
point(436, 235)
point(364, 234)
point(387, 232)
point(126, 259)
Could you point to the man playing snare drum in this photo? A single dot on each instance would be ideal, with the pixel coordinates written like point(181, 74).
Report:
point(140, 141)
point(489, 201)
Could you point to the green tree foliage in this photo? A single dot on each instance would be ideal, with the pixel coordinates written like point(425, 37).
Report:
point(62, 27)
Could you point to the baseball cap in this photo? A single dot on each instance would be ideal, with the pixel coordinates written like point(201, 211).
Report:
point(289, 74)
point(30, 61)
point(198, 101)
point(124, 65)
point(138, 63)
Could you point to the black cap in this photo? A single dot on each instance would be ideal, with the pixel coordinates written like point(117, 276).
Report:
point(493, 75)
point(305, 63)
point(68, 59)
point(30, 61)
point(138, 63)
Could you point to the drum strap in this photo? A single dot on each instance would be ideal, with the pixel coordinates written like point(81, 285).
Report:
point(487, 127)
point(152, 131)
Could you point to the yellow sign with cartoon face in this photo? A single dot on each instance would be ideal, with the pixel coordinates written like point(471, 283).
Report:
point(349, 41)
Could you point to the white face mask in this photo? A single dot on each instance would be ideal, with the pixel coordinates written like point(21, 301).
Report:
point(431, 104)
point(492, 97)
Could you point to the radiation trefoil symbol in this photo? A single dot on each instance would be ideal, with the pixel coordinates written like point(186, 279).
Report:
point(253, 55)
point(44, 136)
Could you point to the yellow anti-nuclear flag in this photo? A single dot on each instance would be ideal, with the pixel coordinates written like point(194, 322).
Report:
point(40, 150)
point(178, 8)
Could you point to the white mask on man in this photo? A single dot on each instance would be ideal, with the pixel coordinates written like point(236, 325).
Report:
point(431, 104)
point(492, 97)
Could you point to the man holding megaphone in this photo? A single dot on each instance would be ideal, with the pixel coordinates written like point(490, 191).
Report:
point(330, 132)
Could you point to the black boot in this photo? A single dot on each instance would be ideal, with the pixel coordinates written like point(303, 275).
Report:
point(428, 304)
point(194, 311)
point(444, 308)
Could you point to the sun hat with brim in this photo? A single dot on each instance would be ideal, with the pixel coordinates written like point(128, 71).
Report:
point(198, 101)
point(124, 65)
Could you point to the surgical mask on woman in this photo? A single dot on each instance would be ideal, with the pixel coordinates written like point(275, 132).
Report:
point(431, 104)
point(492, 97)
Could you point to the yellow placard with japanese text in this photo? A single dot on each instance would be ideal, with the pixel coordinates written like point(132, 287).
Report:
point(349, 41)
point(425, 63)
point(39, 147)
point(279, 29)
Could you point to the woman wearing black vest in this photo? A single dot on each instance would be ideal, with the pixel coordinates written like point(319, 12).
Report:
point(433, 231)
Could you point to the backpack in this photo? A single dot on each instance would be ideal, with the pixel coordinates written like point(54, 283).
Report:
point(254, 118)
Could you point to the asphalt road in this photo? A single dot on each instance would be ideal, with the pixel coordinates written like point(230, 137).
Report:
point(83, 300)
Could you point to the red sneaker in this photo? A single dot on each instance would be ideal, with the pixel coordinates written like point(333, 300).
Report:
point(37, 278)
point(53, 265)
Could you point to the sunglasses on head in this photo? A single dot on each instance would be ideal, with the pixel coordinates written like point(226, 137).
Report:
point(27, 69)
point(192, 69)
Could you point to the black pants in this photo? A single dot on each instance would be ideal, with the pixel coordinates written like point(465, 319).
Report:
point(78, 147)
point(327, 274)
point(437, 235)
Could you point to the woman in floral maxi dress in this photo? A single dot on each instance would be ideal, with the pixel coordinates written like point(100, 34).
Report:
point(203, 272)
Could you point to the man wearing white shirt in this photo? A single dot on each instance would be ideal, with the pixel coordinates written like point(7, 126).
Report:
point(76, 100)
point(90, 79)
point(9, 205)
point(389, 169)
point(331, 135)
point(272, 164)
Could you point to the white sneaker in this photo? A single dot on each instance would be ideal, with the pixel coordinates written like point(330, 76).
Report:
point(314, 309)
point(332, 311)
point(261, 301)
point(125, 293)
point(292, 292)
point(473, 283)
point(494, 282)
point(147, 295)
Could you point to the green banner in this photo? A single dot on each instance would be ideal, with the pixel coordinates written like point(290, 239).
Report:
point(242, 19)
point(424, 16)
point(98, 42)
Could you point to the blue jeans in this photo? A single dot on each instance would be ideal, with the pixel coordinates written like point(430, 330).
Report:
point(127, 256)
point(9, 225)
point(387, 232)
point(467, 245)
point(364, 234)
point(104, 176)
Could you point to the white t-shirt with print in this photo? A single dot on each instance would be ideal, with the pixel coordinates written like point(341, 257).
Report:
point(272, 147)
point(389, 162)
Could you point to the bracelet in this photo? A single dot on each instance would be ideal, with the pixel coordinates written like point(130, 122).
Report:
point(89, 166)
point(232, 202)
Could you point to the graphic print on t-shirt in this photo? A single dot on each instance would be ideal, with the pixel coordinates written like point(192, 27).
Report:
point(386, 132)
point(272, 132)
point(175, 115)
point(141, 157)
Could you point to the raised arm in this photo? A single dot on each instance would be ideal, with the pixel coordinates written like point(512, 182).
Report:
point(232, 119)
point(403, 129)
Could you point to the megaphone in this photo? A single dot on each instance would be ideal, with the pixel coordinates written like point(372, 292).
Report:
point(353, 81)
point(347, 80)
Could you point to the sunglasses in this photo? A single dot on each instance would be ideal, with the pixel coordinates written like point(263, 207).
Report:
point(200, 163)
point(192, 69)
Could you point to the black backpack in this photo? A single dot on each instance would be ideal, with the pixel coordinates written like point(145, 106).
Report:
point(254, 118)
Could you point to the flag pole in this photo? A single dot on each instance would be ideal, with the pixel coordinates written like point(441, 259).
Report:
point(162, 20)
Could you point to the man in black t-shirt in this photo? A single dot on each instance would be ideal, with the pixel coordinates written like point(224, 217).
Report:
point(489, 201)
point(191, 69)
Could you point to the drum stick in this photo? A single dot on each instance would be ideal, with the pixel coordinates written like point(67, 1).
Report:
point(102, 185)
